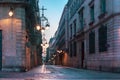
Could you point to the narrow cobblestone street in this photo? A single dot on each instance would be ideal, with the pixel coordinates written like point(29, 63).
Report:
point(59, 73)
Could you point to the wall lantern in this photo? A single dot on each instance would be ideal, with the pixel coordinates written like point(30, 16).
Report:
point(11, 12)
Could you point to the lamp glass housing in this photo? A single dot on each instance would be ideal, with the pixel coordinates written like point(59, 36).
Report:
point(42, 30)
point(38, 27)
point(10, 13)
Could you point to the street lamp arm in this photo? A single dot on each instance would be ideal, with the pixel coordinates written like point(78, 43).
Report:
point(44, 18)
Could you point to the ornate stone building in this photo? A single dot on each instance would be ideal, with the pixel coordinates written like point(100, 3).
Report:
point(19, 41)
point(93, 39)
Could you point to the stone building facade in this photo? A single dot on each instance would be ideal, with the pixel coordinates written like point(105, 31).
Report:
point(60, 41)
point(52, 50)
point(93, 37)
point(17, 50)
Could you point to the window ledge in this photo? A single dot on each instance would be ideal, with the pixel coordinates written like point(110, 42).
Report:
point(102, 15)
point(92, 53)
point(91, 22)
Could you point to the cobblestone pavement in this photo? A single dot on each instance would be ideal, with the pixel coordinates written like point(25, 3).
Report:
point(59, 73)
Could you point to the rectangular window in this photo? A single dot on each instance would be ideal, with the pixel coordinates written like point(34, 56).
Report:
point(75, 48)
point(103, 6)
point(70, 49)
point(92, 13)
point(81, 19)
point(102, 38)
point(82, 1)
point(74, 27)
point(71, 30)
point(92, 42)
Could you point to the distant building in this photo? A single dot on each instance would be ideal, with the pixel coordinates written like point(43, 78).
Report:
point(19, 41)
point(61, 39)
point(93, 37)
point(51, 50)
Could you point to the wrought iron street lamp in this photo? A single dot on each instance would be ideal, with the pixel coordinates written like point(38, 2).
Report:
point(42, 28)
point(44, 25)
point(44, 22)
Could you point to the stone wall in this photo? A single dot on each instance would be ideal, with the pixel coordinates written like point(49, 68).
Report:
point(106, 61)
point(13, 41)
